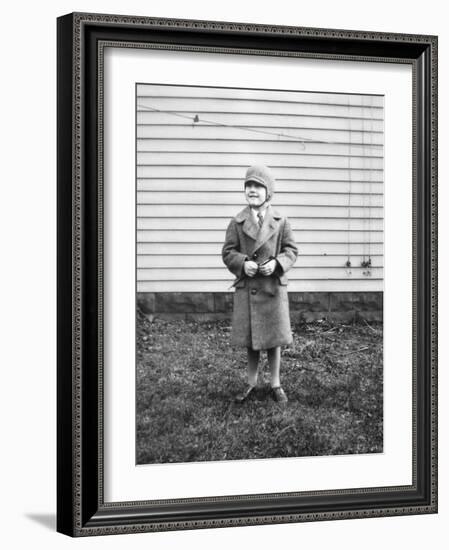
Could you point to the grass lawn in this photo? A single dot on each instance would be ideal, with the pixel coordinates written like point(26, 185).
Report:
point(188, 375)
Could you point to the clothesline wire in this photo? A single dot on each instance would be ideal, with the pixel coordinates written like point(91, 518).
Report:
point(195, 119)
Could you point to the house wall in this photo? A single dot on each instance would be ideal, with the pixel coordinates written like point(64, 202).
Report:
point(193, 147)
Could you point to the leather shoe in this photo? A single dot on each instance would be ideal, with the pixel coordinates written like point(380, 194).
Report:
point(279, 395)
point(242, 397)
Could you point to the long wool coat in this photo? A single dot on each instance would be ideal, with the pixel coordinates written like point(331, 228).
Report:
point(261, 317)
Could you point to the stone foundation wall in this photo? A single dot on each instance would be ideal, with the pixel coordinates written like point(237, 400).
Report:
point(304, 306)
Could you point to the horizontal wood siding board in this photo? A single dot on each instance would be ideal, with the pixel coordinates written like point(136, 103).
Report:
point(214, 261)
point(220, 224)
point(197, 248)
point(223, 133)
point(301, 160)
point(343, 178)
point(263, 147)
point(155, 90)
point(229, 211)
point(303, 154)
point(282, 199)
point(208, 274)
point(208, 105)
point(176, 171)
point(236, 186)
point(261, 121)
point(210, 236)
point(206, 116)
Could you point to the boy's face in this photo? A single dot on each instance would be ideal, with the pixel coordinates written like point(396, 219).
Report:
point(255, 193)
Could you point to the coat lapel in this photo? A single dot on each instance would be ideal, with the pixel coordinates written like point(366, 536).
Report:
point(249, 227)
point(269, 227)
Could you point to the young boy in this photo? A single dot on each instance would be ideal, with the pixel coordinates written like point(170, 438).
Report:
point(259, 249)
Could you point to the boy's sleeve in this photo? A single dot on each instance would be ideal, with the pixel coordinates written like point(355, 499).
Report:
point(289, 251)
point(232, 257)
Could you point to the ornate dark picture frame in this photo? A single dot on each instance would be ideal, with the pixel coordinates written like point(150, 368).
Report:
point(81, 509)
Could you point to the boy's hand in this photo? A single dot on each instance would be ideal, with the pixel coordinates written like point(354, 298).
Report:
point(268, 268)
point(250, 268)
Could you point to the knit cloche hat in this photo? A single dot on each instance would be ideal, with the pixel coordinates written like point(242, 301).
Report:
point(261, 174)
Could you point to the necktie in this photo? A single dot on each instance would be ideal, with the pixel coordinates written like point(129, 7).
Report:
point(259, 219)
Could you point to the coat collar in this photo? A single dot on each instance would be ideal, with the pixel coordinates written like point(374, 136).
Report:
point(270, 224)
point(246, 213)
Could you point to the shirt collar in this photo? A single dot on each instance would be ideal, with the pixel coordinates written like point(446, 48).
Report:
point(256, 212)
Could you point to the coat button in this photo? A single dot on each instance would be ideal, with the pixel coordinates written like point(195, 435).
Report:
point(254, 291)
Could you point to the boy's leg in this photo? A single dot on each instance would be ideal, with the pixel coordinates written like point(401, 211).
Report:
point(253, 369)
point(274, 360)
point(253, 366)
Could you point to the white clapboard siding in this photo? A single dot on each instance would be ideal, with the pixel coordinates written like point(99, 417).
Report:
point(316, 248)
point(300, 160)
point(282, 199)
point(219, 210)
point(183, 93)
point(296, 273)
point(297, 224)
point(285, 172)
point(243, 135)
point(193, 147)
point(283, 108)
point(260, 147)
point(366, 284)
point(214, 261)
point(236, 186)
point(364, 138)
point(265, 121)
point(208, 236)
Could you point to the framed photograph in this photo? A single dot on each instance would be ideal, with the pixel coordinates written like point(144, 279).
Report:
point(247, 274)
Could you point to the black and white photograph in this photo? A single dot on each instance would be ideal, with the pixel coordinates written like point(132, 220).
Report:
point(259, 273)
point(247, 276)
